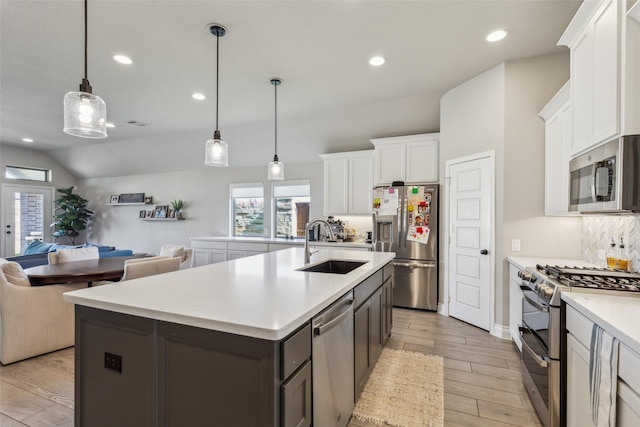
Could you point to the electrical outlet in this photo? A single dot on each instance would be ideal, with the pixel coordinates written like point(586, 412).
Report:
point(601, 254)
point(515, 245)
point(113, 362)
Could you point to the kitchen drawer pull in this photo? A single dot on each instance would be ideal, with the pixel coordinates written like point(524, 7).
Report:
point(414, 265)
point(541, 307)
point(543, 361)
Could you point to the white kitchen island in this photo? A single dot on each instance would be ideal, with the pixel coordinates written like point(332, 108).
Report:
point(226, 343)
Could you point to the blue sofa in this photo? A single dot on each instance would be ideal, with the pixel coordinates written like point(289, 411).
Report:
point(36, 252)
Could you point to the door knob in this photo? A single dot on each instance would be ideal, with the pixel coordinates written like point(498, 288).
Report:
point(8, 232)
point(484, 252)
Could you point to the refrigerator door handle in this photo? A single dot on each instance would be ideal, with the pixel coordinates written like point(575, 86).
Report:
point(413, 265)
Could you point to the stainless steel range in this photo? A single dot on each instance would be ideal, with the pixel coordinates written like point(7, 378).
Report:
point(543, 349)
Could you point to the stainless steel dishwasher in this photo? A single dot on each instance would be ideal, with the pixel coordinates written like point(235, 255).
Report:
point(332, 356)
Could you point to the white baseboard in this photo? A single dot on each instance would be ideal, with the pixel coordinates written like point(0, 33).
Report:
point(501, 331)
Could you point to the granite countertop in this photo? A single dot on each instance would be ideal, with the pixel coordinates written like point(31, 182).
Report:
point(262, 296)
point(614, 312)
point(281, 240)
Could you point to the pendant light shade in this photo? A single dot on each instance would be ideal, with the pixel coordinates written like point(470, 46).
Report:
point(216, 152)
point(85, 114)
point(276, 168)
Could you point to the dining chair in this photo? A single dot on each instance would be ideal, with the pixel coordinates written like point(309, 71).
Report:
point(150, 267)
point(186, 254)
point(78, 254)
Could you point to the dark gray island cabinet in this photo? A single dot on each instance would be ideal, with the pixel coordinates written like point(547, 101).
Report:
point(133, 370)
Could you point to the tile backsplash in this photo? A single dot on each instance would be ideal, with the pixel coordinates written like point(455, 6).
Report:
point(597, 232)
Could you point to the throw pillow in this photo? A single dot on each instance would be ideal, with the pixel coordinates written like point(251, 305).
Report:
point(38, 247)
point(80, 254)
point(14, 273)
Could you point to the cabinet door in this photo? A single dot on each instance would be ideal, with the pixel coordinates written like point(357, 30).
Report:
point(557, 146)
point(421, 161)
point(200, 257)
point(515, 310)
point(295, 396)
point(376, 325)
point(578, 400)
point(217, 256)
point(387, 309)
point(390, 163)
point(360, 185)
point(361, 323)
point(582, 92)
point(606, 69)
point(336, 178)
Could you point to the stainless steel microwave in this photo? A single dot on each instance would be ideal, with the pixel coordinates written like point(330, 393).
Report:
point(607, 179)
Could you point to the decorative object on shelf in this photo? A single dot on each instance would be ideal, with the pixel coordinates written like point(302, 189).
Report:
point(216, 150)
point(148, 200)
point(161, 211)
point(142, 214)
point(276, 168)
point(85, 114)
point(150, 213)
point(131, 198)
point(177, 206)
point(115, 198)
point(73, 215)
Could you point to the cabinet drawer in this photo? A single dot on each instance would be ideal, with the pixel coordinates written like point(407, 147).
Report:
point(513, 273)
point(579, 326)
point(294, 351)
point(256, 247)
point(364, 290)
point(207, 244)
point(628, 364)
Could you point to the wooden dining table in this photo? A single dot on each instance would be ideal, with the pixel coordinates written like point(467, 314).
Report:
point(111, 268)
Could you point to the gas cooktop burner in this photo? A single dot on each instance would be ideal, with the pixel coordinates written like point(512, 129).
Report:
point(596, 278)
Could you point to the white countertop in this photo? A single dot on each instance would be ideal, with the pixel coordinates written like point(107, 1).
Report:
point(261, 296)
point(616, 314)
point(280, 240)
point(524, 262)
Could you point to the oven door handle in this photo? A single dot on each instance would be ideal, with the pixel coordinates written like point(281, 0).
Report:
point(543, 361)
point(540, 307)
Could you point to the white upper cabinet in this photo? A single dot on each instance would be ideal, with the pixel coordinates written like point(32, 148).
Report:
point(557, 130)
point(348, 182)
point(412, 159)
point(605, 84)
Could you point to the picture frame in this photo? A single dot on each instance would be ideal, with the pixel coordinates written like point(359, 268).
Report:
point(131, 198)
point(142, 214)
point(171, 213)
point(148, 200)
point(149, 213)
point(115, 198)
point(161, 211)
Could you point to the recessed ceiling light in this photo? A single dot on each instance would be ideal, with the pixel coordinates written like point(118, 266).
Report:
point(376, 61)
point(123, 59)
point(198, 96)
point(110, 125)
point(29, 140)
point(496, 36)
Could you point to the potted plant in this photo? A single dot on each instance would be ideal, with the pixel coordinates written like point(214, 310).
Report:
point(177, 206)
point(71, 215)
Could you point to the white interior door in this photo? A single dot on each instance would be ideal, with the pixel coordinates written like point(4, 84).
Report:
point(470, 218)
point(27, 216)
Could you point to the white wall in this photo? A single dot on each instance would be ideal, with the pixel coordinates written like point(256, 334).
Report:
point(497, 110)
point(18, 156)
point(206, 193)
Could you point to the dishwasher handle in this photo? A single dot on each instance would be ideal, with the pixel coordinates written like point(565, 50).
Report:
point(326, 327)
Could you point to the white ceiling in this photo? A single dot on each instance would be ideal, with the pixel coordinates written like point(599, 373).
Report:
point(331, 98)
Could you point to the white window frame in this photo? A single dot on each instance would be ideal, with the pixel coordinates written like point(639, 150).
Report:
point(274, 190)
point(244, 189)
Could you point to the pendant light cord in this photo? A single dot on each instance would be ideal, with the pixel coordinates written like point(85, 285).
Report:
point(85, 40)
point(217, 74)
point(276, 119)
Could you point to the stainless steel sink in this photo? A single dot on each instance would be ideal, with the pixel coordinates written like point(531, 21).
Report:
point(334, 266)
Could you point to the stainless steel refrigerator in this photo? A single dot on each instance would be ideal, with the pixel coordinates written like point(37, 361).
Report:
point(405, 221)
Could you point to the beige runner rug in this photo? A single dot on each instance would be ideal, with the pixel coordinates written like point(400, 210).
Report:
point(405, 389)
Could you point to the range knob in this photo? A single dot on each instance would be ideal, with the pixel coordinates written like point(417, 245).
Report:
point(526, 276)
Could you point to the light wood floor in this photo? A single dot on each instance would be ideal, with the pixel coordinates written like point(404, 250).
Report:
point(482, 377)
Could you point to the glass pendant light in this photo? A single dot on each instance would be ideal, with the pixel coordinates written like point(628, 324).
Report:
point(85, 114)
point(276, 168)
point(216, 152)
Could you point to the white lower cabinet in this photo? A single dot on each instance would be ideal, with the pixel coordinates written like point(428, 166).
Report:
point(515, 305)
point(241, 250)
point(578, 354)
point(208, 252)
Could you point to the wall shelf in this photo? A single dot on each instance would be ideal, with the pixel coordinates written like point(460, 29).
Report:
point(129, 204)
point(162, 219)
